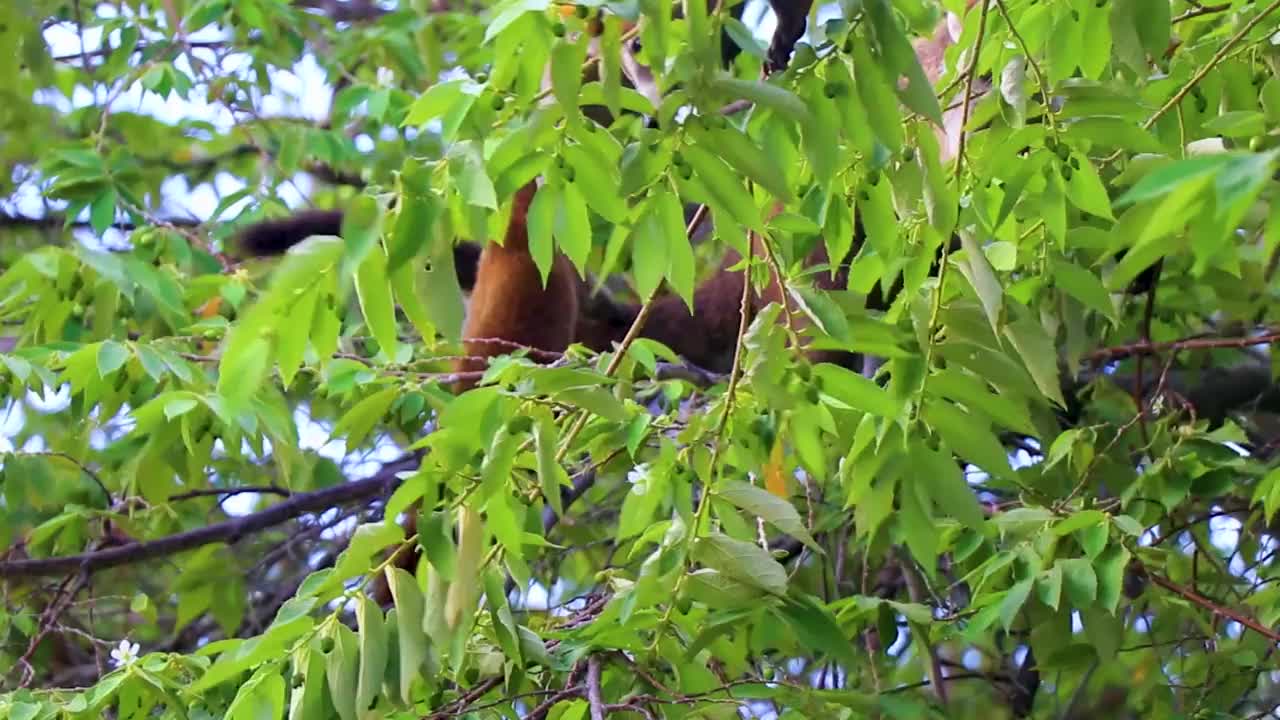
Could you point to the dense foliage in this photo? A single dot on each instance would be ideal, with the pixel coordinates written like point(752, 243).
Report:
point(1049, 494)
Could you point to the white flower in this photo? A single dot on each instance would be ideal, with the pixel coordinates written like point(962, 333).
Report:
point(125, 653)
point(386, 77)
point(638, 476)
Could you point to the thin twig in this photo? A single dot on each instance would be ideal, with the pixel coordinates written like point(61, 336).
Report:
point(971, 72)
point(1120, 352)
point(915, 591)
point(83, 468)
point(1041, 80)
point(1200, 11)
point(466, 699)
point(632, 333)
point(540, 712)
point(1148, 315)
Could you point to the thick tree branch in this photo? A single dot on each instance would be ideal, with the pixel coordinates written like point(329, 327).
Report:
point(58, 222)
point(594, 696)
point(230, 531)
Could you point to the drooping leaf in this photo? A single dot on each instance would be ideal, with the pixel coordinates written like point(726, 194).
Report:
point(742, 561)
point(768, 507)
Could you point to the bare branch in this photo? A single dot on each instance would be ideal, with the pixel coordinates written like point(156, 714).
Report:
point(1146, 347)
point(228, 492)
point(229, 531)
point(594, 697)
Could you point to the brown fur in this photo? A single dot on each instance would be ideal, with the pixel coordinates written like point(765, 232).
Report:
point(509, 301)
point(274, 237)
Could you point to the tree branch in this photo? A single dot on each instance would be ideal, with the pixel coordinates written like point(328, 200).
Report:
point(594, 696)
point(1146, 347)
point(228, 492)
point(230, 531)
point(58, 222)
point(1213, 607)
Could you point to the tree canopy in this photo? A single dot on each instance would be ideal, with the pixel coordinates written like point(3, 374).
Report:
point(1047, 490)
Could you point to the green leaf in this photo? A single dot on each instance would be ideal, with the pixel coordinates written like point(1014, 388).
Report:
point(826, 315)
point(742, 561)
point(681, 271)
point(292, 336)
point(179, 405)
point(439, 100)
point(361, 227)
point(878, 97)
point(551, 474)
point(1084, 286)
point(855, 391)
point(1080, 581)
point(611, 63)
point(242, 372)
point(768, 507)
point(308, 701)
point(902, 61)
point(441, 292)
point(1027, 168)
point(1039, 356)
point(111, 357)
point(1013, 601)
point(1085, 189)
point(1110, 568)
point(1005, 408)
point(1114, 132)
point(1154, 25)
point(946, 485)
point(1169, 177)
point(815, 627)
point(296, 273)
point(778, 99)
point(356, 424)
point(367, 539)
point(507, 12)
point(596, 401)
point(566, 74)
point(405, 284)
point(820, 137)
point(416, 217)
point(473, 183)
point(541, 222)
point(1079, 520)
point(649, 248)
point(342, 671)
point(969, 437)
point(1049, 587)
point(572, 228)
point(601, 181)
point(917, 525)
point(977, 268)
point(725, 187)
point(102, 212)
point(373, 650)
point(742, 153)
